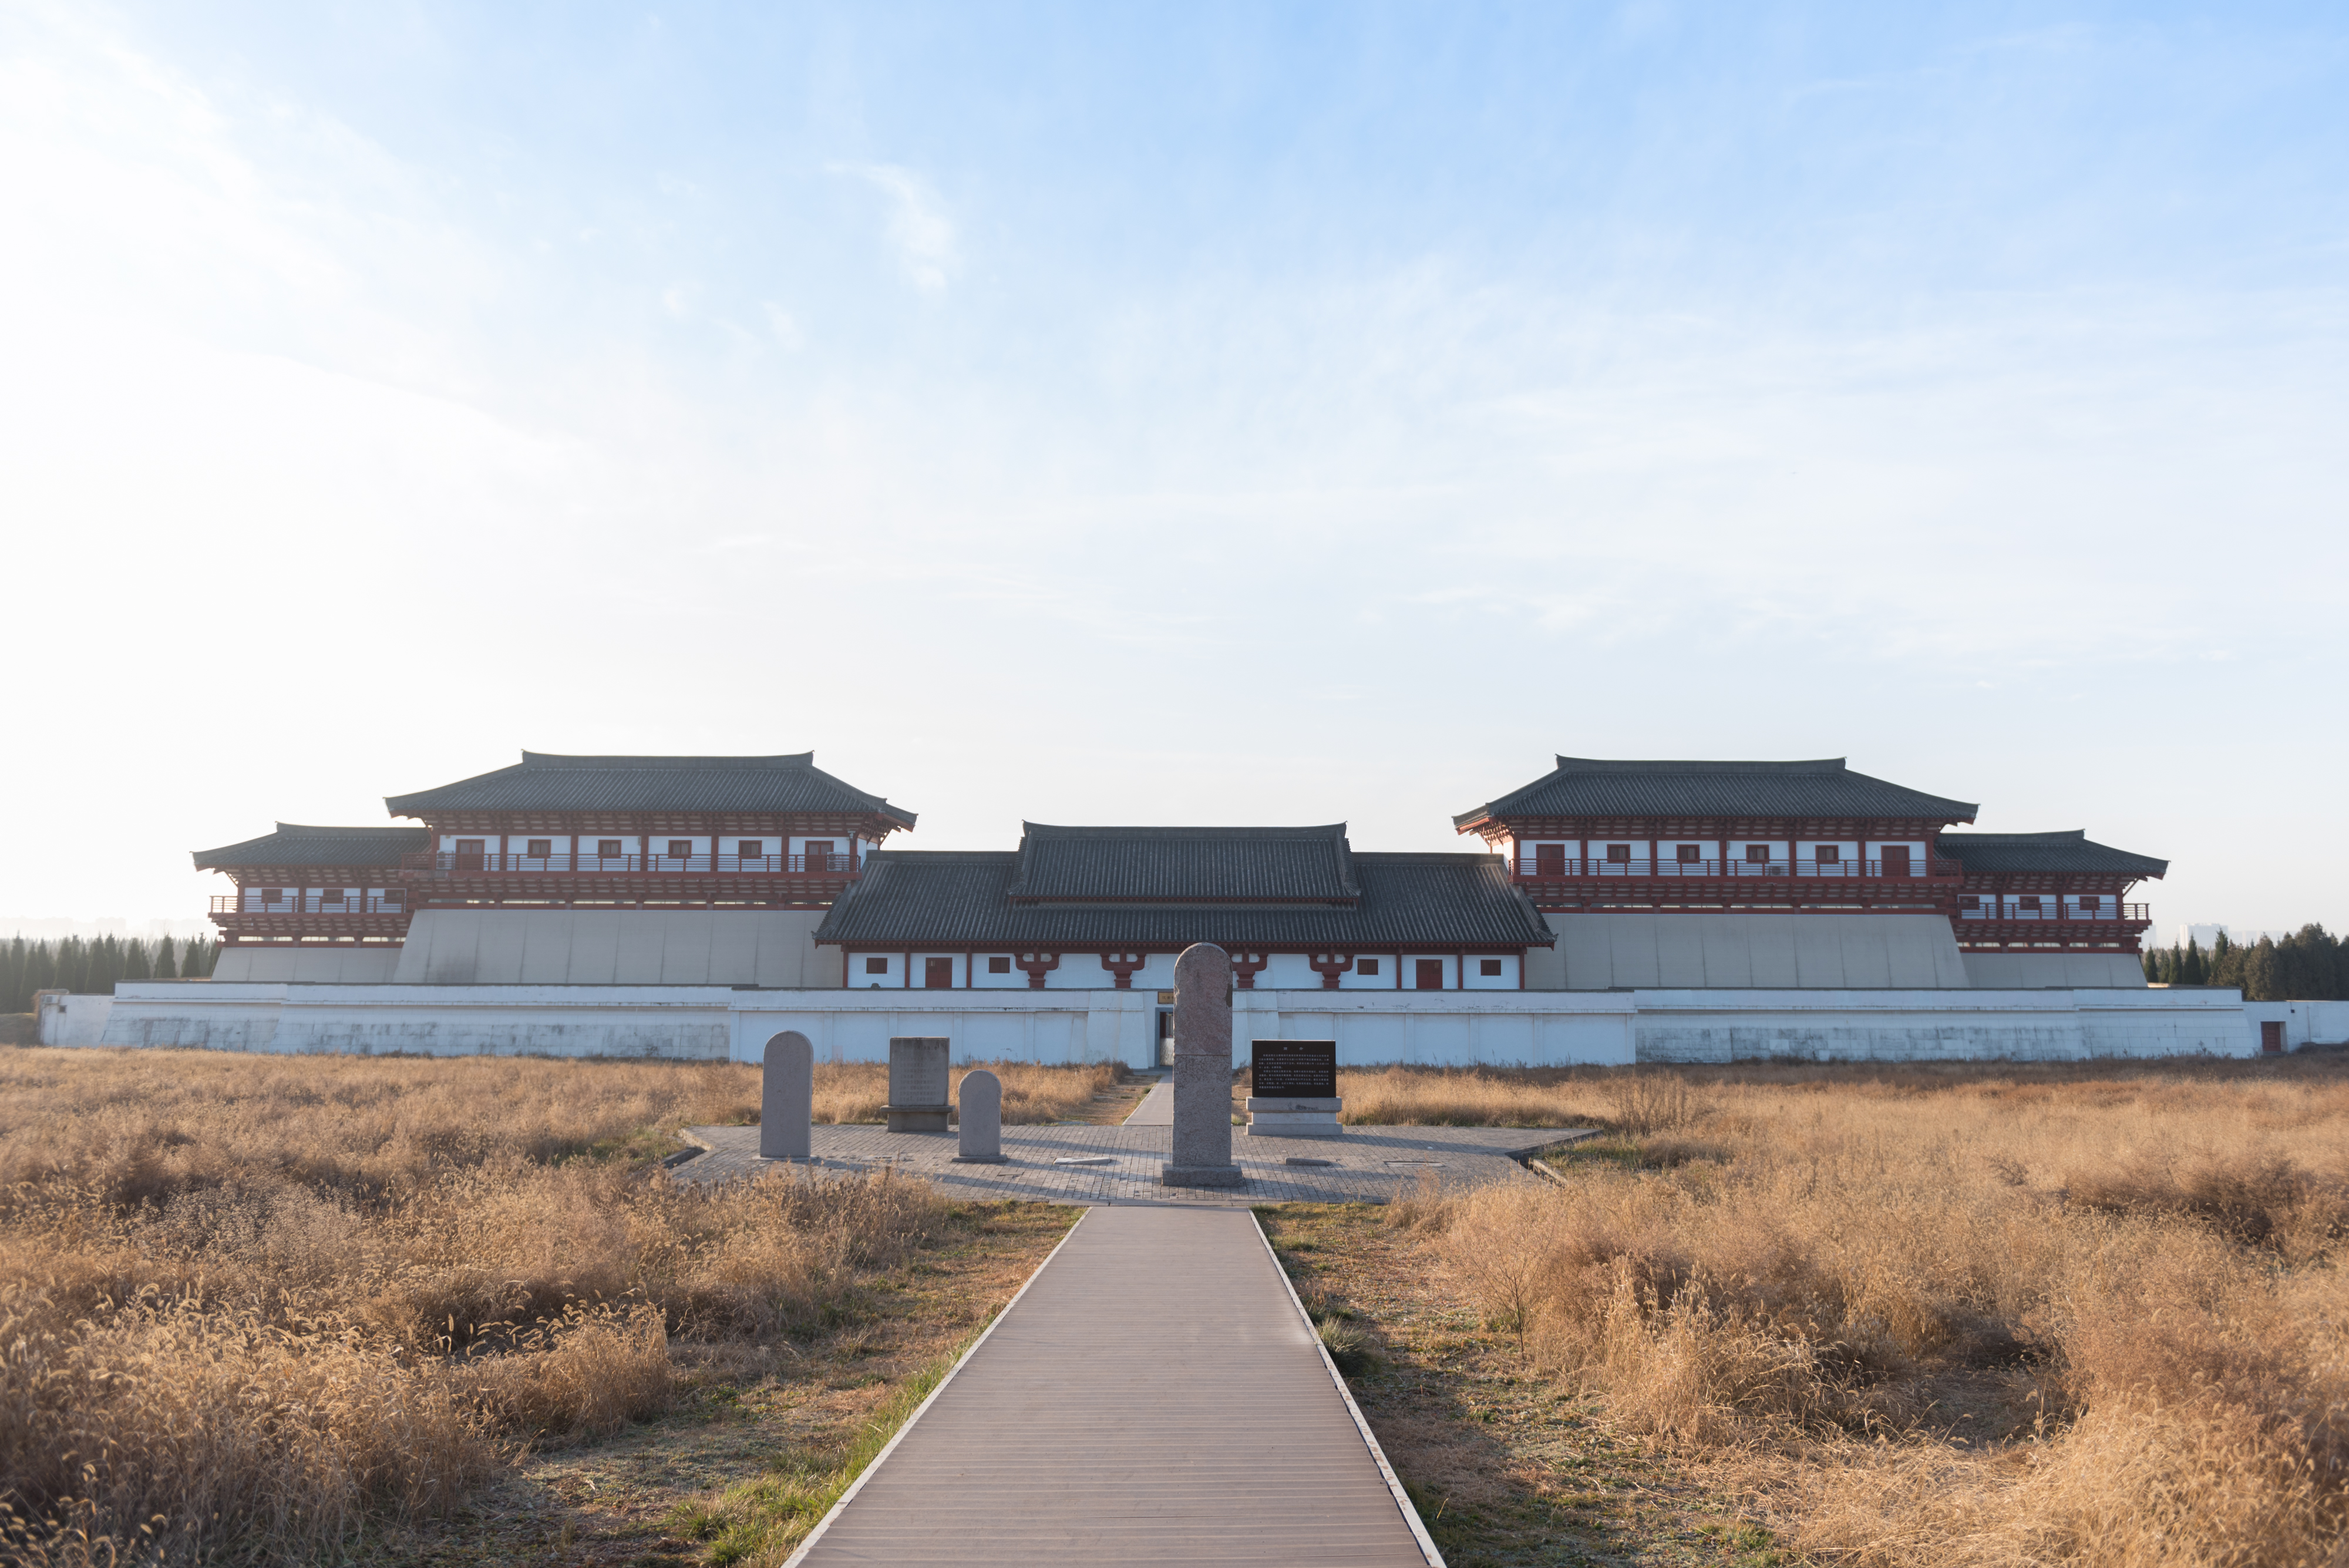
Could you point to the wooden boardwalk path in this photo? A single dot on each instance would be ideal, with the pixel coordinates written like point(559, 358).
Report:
point(1153, 1396)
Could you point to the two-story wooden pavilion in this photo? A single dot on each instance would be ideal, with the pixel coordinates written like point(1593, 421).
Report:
point(773, 832)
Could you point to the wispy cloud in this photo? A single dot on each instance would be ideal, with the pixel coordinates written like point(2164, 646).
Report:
point(918, 225)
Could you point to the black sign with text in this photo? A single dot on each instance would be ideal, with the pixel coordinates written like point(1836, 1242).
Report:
point(1293, 1069)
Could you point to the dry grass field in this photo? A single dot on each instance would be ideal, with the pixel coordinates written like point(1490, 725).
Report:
point(2088, 1314)
point(855, 1091)
point(267, 1307)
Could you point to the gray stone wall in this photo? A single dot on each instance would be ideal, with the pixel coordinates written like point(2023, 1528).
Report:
point(1748, 951)
point(617, 946)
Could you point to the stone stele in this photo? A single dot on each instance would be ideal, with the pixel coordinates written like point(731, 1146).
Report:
point(980, 1099)
point(918, 1083)
point(786, 1094)
point(1202, 1071)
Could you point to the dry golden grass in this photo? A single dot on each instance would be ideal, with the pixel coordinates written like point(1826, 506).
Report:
point(1032, 1093)
point(2086, 1315)
point(262, 1303)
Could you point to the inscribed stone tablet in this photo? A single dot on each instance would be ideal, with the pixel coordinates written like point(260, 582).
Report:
point(918, 1070)
point(1294, 1069)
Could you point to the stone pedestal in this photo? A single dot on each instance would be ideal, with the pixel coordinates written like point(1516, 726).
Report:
point(1278, 1117)
point(786, 1096)
point(980, 1103)
point(1202, 1071)
point(918, 1083)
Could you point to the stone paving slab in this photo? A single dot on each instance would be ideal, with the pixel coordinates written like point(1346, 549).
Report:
point(1367, 1165)
point(1153, 1396)
point(1157, 1108)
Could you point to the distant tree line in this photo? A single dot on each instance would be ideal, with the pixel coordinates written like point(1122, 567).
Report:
point(89, 966)
point(2309, 965)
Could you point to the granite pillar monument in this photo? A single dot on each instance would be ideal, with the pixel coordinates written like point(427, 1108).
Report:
point(1202, 1071)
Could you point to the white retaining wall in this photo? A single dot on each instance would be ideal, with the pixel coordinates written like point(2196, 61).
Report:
point(1453, 1028)
point(2304, 1023)
point(66, 1020)
point(1922, 1025)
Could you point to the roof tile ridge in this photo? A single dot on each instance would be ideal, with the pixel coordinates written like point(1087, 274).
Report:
point(1806, 766)
point(654, 763)
point(1139, 830)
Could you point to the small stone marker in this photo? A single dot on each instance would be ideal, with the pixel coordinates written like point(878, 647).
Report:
point(1295, 1092)
point(1202, 1071)
point(918, 1083)
point(981, 1100)
point(786, 1096)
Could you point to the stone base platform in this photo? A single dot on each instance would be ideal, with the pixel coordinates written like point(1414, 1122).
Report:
point(1173, 1175)
point(1277, 1118)
point(1368, 1165)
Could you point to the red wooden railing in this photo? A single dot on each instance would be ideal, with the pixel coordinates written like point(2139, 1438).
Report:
point(2049, 909)
point(294, 901)
point(1535, 866)
point(632, 864)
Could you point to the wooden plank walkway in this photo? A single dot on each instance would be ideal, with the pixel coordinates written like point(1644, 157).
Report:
point(1153, 1396)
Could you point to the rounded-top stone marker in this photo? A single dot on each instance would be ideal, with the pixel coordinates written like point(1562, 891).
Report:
point(786, 1096)
point(979, 1101)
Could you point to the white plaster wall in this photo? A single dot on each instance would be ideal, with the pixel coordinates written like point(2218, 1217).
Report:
point(318, 965)
point(1355, 979)
point(1474, 976)
point(616, 947)
point(74, 1020)
point(1435, 1027)
point(2029, 971)
point(1752, 951)
point(2304, 1023)
point(891, 977)
point(1725, 1026)
point(984, 978)
point(1288, 971)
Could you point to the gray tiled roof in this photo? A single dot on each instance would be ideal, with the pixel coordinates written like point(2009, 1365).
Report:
point(1990, 853)
point(543, 781)
point(1588, 787)
point(1189, 864)
point(295, 845)
point(916, 898)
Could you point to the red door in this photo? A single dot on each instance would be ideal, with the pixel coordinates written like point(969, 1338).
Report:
point(1549, 859)
point(2271, 1037)
point(1431, 974)
point(470, 854)
point(938, 974)
point(1896, 859)
point(819, 854)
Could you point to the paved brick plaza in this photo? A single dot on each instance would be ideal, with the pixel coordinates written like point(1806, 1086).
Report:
point(1369, 1164)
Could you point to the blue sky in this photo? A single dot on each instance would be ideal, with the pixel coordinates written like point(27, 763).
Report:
point(1244, 413)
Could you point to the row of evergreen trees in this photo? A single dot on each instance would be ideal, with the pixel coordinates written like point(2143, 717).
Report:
point(2309, 965)
point(90, 965)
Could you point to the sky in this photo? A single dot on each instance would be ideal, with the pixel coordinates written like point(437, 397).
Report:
point(1202, 413)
